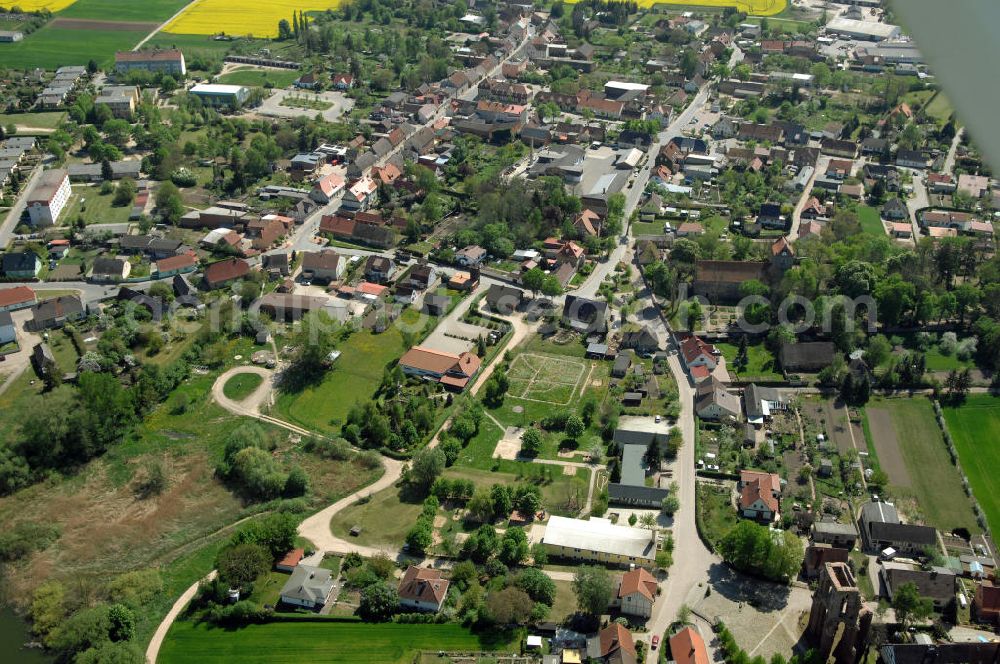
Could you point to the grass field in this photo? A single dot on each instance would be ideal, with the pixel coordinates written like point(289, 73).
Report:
point(760, 362)
point(52, 47)
point(146, 11)
point(545, 378)
point(260, 77)
point(95, 207)
point(871, 223)
point(354, 377)
point(975, 430)
point(716, 514)
point(242, 385)
point(208, 17)
point(935, 484)
point(49, 120)
point(320, 641)
point(200, 45)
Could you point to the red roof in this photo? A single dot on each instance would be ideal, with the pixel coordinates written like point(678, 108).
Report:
point(616, 636)
point(700, 372)
point(335, 225)
point(638, 581)
point(687, 647)
point(176, 262)
point(292, 558)
point(693, 347)
point(227, 270)
point(759, 485)
point(420, 584)
point(16, 295)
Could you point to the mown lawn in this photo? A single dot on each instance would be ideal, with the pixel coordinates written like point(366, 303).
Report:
point(935, 484)
point(871, 223)
point(760, 362)
point(242, 385)
point(353, 378)
point(321, 641)
point(975, 430)
point(274, 78)
point(52, 47)
point(47, 120)
point(95, 207)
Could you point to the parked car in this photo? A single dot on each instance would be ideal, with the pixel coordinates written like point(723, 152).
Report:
point(655, 641)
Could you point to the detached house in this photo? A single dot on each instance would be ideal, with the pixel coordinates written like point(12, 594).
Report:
point(696, 354)
point(322, 265)
point(308, 586)
point(470, 256)
point(361, 195)
point(687, 647)
point(759, 495)
point(422, 589)
point(221, 273)
point(636, 593)
point(452, 371)
point(712, 401)
point(21, 265)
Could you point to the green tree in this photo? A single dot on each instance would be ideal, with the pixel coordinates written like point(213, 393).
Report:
point(574, 427)
point(122, 621)
point(509, 606)
point(533, 280)
point(378, 603)
point(539, 586)
point(240, 565)
point(427, 465)
point(513, 547)
point(910, 606)
point(531, 442)
point(169, 203)
point(592, 587)
point(752, 548)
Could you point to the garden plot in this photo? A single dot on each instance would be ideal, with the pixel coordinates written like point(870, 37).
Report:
point(545, 378)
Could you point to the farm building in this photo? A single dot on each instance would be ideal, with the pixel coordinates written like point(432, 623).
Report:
point(599, 540)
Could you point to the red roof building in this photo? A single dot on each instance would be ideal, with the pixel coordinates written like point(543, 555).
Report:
point(290, 561)
point(759, 494)
point(452, 371)
point(19, 297)
point(423, 589)
point(221, 273)
point(687, 647)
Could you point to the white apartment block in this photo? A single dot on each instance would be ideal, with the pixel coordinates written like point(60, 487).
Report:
point(49, 197)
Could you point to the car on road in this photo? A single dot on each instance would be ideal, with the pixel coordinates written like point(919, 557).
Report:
point(655, 641)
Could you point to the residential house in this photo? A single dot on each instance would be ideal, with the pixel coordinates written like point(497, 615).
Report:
point(504, 300)
point(695, 352)
point(807, 356)
point(901, 230)
point(936, 584)
point(642, 340)
point(275, 264)
point(941, 183)
point(463, 280)
point(761, 403)
point(895, 210)
point(599, 540)
point(451, 370)
point(174, 265)
point(769, 217)
point(585, 315)
point(378, 269)
point(760, 494)
point(688, 647)
point(712, 401)
point(471, 256)
point(226, 271)
point(325, 265)
point(110, 269)
point(327, 188)
point(881, 529)
point(976, 186)
point(18, 297)
point(308, 586)
point(361, 194)
point(911, 159)
point(622, 363)
point(56, 312)
point(422, 589)
point(21, 265)
point(342, 81)
point(839, 148)
point(637, 593)
point(43, 359)
point(613, 645)
point(422, 276)
point(121, 100)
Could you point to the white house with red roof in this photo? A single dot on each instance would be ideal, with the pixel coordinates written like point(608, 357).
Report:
point(361, 195)
point(422, 589)
point(452, 371)
point(636, 593)
point(697, 352)
point(760, 494)
point(327, 188)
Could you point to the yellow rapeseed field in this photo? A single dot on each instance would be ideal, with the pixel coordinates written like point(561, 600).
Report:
point(754, 7)
point(242, 17)
point(34, 5)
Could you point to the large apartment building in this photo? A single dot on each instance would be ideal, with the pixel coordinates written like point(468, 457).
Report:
point(168, 61)
point(49, 197)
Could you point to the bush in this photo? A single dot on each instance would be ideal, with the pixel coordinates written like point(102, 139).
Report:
point(26, 538)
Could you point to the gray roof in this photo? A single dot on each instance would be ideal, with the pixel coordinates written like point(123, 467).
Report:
point(873, 512)
point(834, 528)
point(5, 319)
point(309, 584)
point(636, 430)
point(903, 533)
point(753, 395)
point(647, 495)
point(585, 315)
point(20, 261)
point(633, 465)
point(622, 362)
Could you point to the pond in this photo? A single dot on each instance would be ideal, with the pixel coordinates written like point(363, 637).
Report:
point(14, 633)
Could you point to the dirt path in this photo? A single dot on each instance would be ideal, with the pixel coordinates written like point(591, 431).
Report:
point(161, 26)
point(153, 649)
